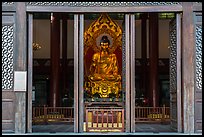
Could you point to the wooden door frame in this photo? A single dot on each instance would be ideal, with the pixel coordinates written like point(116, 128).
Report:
point(78, 71)
point(30, 71)
point(178, 69)
point(150, 8)
point(198, 73)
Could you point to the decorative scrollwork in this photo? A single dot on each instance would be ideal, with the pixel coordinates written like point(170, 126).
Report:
point(173, 73)
point(7, 56)
point(199, 56)
point(103, 26)
point(173, 62)
point(99, 4)
point(7, 3)
point(123, 59)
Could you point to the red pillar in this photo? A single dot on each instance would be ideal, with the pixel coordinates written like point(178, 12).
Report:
point(144, 53)
point(64, 53)
point(55, 60)
point(153, 56)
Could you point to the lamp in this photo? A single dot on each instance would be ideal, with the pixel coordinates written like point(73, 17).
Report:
point(36, 46)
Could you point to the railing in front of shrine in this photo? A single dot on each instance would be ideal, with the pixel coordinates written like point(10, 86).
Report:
point(152, 114)
point(46, 114)
point(97, 116)
point(104, 119)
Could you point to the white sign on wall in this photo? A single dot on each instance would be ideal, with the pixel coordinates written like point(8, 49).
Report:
point(20, 80)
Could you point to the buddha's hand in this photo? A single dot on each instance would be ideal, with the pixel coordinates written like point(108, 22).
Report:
point(95, 77)
point(112, 77)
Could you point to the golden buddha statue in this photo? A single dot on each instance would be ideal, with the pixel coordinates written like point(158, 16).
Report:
point(104, 75)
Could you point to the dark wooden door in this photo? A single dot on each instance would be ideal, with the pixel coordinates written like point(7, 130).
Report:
point(8, 94)
point(175, 72)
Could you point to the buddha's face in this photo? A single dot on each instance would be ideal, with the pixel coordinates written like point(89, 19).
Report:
point(104, 46)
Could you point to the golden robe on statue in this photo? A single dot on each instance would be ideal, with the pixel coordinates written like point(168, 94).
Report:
point(105, 65)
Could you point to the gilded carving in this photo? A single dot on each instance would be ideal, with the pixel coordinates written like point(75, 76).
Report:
point(103, 37)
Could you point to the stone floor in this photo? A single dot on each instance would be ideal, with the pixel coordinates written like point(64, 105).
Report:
point(155, 128)
point(53, 128)
point(68, 127)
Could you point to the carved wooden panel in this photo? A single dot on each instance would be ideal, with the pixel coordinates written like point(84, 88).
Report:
point(199, 57)
point(7, 56)
point(123, 61)
point(8, 98)
point(173, 74)
point(198, 73)
point(8, 112)
point(103, 4)
point(7, 3)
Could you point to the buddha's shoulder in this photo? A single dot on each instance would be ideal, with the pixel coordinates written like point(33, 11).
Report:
point(96, 55)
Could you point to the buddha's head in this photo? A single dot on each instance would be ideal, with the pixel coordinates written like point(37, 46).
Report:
point(104, 43)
